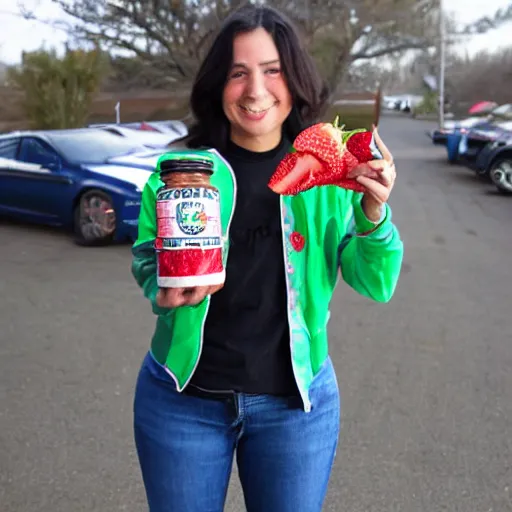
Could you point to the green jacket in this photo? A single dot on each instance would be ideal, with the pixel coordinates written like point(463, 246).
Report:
point(320, 236)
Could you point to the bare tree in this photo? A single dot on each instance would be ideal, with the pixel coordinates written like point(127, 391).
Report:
point(172, 36)
point(484, 76)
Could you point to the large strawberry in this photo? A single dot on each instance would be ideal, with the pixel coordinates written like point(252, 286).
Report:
point(323, 155)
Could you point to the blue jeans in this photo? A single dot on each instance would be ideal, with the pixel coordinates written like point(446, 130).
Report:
point(186, 445)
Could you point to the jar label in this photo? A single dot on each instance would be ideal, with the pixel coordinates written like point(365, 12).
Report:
point(188, 217)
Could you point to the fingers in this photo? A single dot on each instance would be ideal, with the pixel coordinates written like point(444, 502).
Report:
point(214, 289)
point(386, 154)
point(375, 169)
point(379, 191)
point(377, 176)
point(387, 175)
point(386, 170)
point(364, 169)
point(195, 295)
point(170, 298)
point(378, 165)
point(177, 297)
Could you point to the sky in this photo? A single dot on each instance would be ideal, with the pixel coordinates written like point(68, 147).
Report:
point(17, 34)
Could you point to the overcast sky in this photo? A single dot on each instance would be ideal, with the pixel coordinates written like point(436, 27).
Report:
point(17, 34)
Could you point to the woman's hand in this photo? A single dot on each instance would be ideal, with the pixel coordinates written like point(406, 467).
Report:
point(176, 297)
point(378, 187)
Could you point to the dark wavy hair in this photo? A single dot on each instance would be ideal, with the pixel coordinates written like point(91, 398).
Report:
point(309, 92)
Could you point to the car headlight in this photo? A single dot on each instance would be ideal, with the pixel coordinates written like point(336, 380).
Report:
point(497, 144)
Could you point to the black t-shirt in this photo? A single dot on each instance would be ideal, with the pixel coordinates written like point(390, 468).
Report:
point(246, 345)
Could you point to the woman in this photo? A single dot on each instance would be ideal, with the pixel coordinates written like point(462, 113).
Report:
point(246, 370)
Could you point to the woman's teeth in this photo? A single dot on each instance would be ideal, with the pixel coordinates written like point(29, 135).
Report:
point(254, 111)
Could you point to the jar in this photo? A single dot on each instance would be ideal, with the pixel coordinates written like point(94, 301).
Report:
point(189, 233)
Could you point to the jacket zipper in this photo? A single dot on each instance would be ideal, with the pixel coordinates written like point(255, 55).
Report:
point(304, 395)
point(305, 399)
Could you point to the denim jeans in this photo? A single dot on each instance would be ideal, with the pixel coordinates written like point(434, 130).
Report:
point(186, 445)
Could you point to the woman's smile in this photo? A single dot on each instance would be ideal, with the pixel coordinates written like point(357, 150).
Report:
point(255, 113)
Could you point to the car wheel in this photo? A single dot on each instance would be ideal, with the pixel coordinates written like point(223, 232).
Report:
point(95, 219)
point(501, 175)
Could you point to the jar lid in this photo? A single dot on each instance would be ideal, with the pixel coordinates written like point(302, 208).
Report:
point(169, 165)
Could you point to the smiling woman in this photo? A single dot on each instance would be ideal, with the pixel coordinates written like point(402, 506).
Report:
point(260, 81)
point(245, 369)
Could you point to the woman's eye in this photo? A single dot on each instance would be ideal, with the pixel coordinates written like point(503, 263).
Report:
point(237, 74)
point(273, 71)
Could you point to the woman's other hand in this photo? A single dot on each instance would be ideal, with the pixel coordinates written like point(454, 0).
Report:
point(190, 296)
point(378, 187)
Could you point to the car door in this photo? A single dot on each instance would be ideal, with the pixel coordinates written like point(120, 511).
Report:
point(10, 191)
point(46, 184)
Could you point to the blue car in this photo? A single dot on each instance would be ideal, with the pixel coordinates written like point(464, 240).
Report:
point(496, 161)
point(454, 134)
point(477, 139)
point(86, 180)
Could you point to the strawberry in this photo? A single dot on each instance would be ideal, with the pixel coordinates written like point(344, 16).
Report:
point(321, 156)
point(359, 146)
point(322, 140)
point(292, 171)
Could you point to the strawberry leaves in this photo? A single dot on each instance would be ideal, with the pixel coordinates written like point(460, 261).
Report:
point(345, 136)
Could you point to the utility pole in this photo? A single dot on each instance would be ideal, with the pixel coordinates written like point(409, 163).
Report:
point(117, 108)
point(442, 58)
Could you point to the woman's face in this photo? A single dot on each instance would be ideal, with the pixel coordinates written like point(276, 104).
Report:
point(256, 99)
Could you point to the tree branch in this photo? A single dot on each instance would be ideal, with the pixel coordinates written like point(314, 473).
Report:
point(398, 47)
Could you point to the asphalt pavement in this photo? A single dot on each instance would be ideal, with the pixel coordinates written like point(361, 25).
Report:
point(426, 380)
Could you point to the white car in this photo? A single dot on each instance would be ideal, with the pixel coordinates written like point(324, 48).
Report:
point(148, 138)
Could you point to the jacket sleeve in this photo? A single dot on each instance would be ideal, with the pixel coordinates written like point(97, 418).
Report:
point(371, 263)
point(144, 267)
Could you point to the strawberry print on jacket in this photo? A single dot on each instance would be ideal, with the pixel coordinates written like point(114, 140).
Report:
point(297, 241)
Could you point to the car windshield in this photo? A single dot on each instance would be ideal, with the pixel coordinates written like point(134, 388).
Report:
point(92, 146)
point(503, 111)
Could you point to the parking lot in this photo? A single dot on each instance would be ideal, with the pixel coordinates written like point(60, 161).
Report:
point(426, 380)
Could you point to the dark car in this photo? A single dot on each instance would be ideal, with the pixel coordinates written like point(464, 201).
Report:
point(479, 138)
point(87, 180)
point(454, 130)
point(495, 160)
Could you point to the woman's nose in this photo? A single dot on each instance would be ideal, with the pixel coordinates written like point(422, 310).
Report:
point(256, 86)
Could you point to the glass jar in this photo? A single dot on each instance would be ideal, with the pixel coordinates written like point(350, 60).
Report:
point(189, 231)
